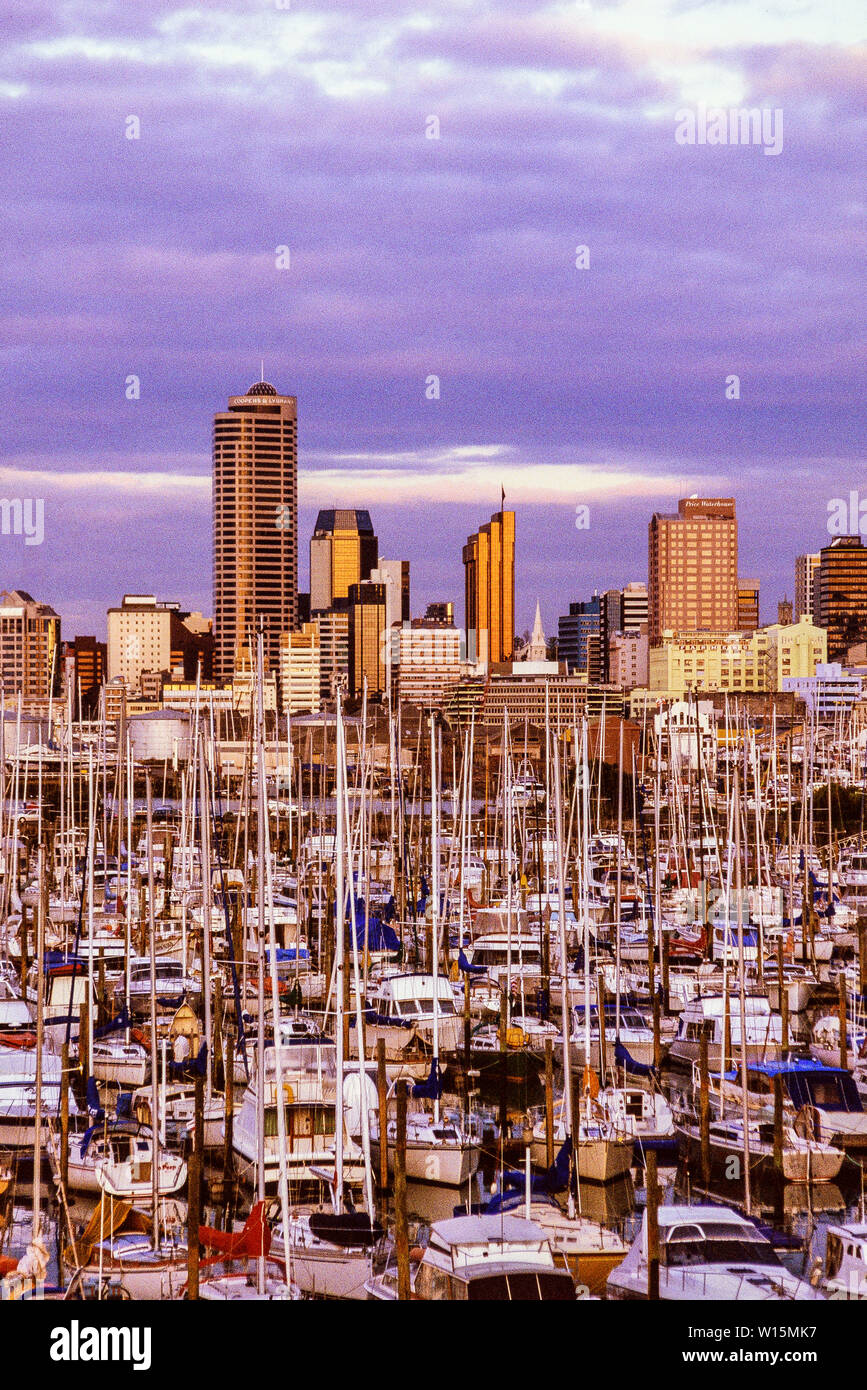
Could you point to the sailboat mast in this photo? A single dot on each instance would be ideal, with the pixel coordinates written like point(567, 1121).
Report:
point(435, 905)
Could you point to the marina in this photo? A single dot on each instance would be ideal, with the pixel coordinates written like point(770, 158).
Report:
point(309, 1057)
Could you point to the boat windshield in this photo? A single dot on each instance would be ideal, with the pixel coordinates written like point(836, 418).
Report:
point(715, 1243)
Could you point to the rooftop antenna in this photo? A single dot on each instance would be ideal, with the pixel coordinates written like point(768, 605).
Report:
point(261, 369)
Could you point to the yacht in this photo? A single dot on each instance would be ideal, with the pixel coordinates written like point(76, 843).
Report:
point(407, 1002)
point(18, 1096)
point(474, 1258)
point(706, 1015)
point(707, 1253)
point(845, 1270)
point(329, 1254)
point(634, 1034)
point(309, 1077)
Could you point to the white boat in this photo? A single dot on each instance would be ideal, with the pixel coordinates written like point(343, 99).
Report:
point(707, 1253)
point(125, 1170)
point(309, 1074)
point(127, 1063)
point(805, 1158)
point(329, 1256)
point(845, 1270)
point(18, 1096)
point(706, 1015)
point(473, 1258)
point(634, 1034)
point(601, 1153)
point(407, 1001)
point(825, 1041)
point(637, 1113)
point(437, 1152)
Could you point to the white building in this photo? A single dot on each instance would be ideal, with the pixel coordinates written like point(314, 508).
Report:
point(831, 690)
point(426, 662)
point(300, 670)
point(628, 658)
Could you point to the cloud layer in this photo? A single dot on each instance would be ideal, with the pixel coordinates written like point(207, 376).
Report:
point(307, 127)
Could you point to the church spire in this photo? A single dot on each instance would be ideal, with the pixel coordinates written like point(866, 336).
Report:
point(538, 648)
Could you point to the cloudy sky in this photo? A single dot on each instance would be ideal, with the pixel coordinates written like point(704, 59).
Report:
point(306, 124)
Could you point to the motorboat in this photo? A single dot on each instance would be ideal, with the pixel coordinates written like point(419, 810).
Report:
point(707, 1253)
point(805, 1158)
point(705, 1016)
point(490, 1258)
point(18, 1077)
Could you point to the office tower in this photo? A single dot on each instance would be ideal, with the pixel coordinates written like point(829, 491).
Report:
point(343, 551)
point(255, 524)
point(147, 635)
point(633, 607)
point(300, 670)
point(85, 666)
point(489, 573)
point(611, 620)
point(426, 661)
point(693, 568)
point(806, 595)
point(579, 633)
point(333, 628)
point(748, 605)
point(842, 593)
point(369, 654)
point(443, 613)
point(29, 646)
point(627, 658)
point(394, 574)
point(784, 612)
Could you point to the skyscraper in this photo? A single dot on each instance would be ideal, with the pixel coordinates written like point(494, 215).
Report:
point(842, 593)
point(255, 524)
point(369, 643)
point(489, 573)
point(806, 568)
point(748, 605)
point(580, 638)
point(29, 646)
point(343, 551)
point(693, 568)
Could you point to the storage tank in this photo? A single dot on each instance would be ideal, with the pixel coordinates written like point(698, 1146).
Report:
point(28, 732)
point(159, 735)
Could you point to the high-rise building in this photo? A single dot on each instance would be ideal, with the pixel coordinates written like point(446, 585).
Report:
point(85, 666)
point(748, 605)
point(147, 635)
point(29, 646)
point(489, 572)
point(633, 603)
point(806, 596)
point(300, 671)
point(369, 652)
point(627, 658)
point(693, 568)
point(343, 551)
point(841, 589)
point(579, 633)
point(333, 628)
point(255, 524)
point(426, 662)
point(394, 574)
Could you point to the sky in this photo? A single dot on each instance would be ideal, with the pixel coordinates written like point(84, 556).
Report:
point(368, 194)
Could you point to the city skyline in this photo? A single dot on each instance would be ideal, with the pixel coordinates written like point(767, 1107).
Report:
point(408, 257)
